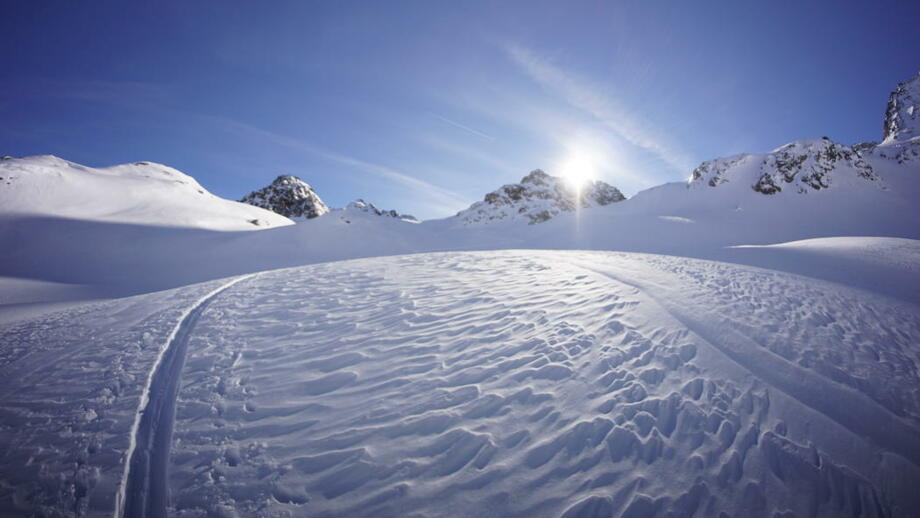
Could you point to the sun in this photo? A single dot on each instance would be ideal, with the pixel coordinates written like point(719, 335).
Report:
point(577, 170)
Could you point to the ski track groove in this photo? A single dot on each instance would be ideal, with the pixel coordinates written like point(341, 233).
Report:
point(182, 330)
point(860, 415)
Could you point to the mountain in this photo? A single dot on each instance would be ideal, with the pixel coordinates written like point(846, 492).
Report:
point(537, 198)
point(902, 116)
point(140, 193)
point(288, 196)
point(369, 208)
point(822, 189)
point(801, 166)
point(806, 166)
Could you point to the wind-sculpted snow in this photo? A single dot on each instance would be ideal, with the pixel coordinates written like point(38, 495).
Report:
point(530, 384)
point(521, 383)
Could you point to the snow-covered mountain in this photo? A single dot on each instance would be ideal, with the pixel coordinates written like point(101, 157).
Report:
point(902, 116)
point(369, 208)
point(805, 166)
point(801, 167)
point(537, 198)
point(140, 193)
point(288, 196)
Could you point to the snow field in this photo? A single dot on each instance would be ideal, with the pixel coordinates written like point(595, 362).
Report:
point(533, 384)
point(514, 383)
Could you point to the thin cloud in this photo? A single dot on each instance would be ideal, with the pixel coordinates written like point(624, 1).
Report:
point(585, 97)
point(461, 126)
point(440, 194)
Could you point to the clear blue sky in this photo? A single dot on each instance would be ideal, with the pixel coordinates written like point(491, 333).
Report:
point(425, 106)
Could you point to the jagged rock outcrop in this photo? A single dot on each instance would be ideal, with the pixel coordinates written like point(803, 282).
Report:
point(537, 198)
point(902, 116)
point(901, 132)
point(808, 165)
point(801, 166)
point(363, 206)
point(289, 196)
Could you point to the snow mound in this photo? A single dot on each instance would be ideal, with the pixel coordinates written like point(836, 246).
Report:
point(141, 193)
point(802, 166)
point(537, 198)
point(363, 206)
point(902, 116)
point(288, 196)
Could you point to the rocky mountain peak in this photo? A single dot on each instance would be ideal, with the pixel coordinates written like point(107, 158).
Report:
point(289, 196)
point(800, 166)
point(902, 116)
point(537, 198)
point(363, 206)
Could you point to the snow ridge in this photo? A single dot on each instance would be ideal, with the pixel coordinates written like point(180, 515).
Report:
point(289, 196)
point(537, 198)
point(121, 497)
point(143, 193)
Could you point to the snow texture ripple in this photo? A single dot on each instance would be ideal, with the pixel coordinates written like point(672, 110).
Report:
point(508, 383)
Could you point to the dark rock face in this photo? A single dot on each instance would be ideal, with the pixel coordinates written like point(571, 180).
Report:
point(289, 196)
point(804, 166)
point(809, 165)
point(537, 198)
point(902, 114)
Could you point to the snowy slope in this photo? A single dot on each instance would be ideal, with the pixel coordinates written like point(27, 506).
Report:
point(141, 193)
point(807, 189)
point(463, 384)
point(693, 220)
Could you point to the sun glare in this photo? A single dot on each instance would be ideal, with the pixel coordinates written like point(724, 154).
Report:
point(577, 171)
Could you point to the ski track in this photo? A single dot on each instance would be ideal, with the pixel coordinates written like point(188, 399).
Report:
point(148, 497)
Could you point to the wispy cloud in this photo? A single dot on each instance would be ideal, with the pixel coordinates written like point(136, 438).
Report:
point(588, 98)
point(440, 196)
point(461, 126)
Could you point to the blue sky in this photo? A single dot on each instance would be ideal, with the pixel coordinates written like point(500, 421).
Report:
point(426, 106)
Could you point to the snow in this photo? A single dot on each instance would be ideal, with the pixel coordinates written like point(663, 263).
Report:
point(523, 382)
point(142, 193)
point(120, 258)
